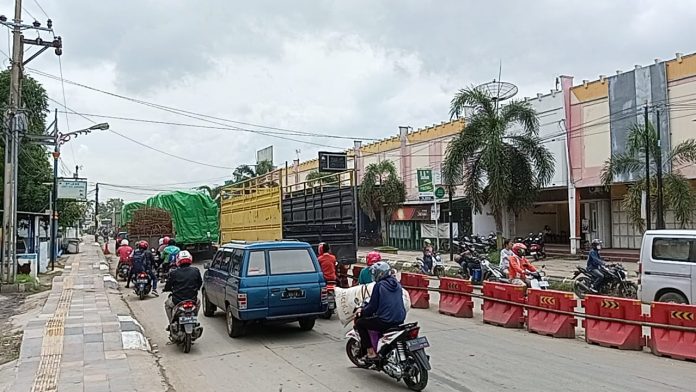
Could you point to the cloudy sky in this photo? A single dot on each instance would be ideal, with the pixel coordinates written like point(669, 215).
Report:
point(356, 69)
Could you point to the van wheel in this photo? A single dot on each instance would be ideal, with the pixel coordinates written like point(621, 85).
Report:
point(307, 324)
point(673, 298)
point(235, 326)
point(208, 307)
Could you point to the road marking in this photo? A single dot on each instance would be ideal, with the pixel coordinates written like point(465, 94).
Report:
point(547, 300)
point(682, 315)
point(610, 304)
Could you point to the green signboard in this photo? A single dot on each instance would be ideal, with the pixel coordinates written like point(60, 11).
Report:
point(425, 183)
point(440, 192)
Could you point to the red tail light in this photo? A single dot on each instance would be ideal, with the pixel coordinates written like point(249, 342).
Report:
point(188, 305)
point(413, 333)
point(142, 275)
point(241, 301)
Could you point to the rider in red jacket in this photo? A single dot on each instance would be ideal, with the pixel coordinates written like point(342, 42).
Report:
point(327, 261)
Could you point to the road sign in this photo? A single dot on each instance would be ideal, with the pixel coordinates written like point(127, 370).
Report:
point(72, 189)
point(425, 184)
point(439, 192)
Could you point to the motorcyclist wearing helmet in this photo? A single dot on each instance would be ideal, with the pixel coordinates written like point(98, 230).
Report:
point(428, 254)
point(163, 243)
point(595, 264)
point(519, 265)
point(327, 262)
point(143, 262)
point(184, 283)
point(124, 253)
point(365, 276)
point(169, 254)
point(385, 309)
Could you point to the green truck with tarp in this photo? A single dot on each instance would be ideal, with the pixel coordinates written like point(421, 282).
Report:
point(194, 218)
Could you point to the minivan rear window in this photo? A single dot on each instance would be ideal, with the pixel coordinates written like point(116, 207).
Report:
point(290, 261)
point(674, 249)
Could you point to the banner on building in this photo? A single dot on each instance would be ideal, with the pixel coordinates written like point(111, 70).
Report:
point(412, 213)
point(426, 188)
point(428, 230)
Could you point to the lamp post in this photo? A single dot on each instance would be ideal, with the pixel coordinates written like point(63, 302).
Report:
point(57, 139)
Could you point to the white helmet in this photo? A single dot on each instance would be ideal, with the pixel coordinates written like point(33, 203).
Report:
point(124, 242)
point(161, 241)
point(184, 257)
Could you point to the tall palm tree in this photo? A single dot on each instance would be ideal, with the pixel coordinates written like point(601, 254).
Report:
point(213, 192)
point(245, 172)
point(498, 168)
point(381, 190)
point(314, 178)
point(679, 196)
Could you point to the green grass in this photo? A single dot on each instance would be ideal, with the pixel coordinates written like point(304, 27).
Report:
point(24, 278)
point(561, 285)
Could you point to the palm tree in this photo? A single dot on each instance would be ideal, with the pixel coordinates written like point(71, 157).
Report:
point(245, 172)
point(214, 193)
point(381, 190)
point(315, 178)
point(678, 194)
point(501, 169)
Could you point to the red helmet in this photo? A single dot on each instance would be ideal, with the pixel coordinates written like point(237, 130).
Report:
point(143, 245)
point(165, 240)
point(184, 257)
point(373, 257)
point(519, 249)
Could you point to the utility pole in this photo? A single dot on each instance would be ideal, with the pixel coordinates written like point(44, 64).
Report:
point(648, 215)
point(54, 198)
point(658, 162)
point(9, 219)
point(96, 214)
point(16, 119)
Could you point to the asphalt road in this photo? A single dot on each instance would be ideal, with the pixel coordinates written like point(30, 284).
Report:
point(466, 355)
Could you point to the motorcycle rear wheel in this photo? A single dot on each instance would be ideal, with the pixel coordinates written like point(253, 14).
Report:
point(628, 290)
point(353, 352)
point(187, 343)
point(417, 380)
point(581, 286)
point(141, 295)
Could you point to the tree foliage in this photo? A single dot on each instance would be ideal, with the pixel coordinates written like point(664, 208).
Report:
point(70, 213)
point(679, 196)
point(497, 168)
point(34, 165)
point(111, 205)
point(381, 189)
point(315, 178)
point(245, 172)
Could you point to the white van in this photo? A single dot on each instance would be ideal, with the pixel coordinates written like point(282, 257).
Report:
point(667, 266)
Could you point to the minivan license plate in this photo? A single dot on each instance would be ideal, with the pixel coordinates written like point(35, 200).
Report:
point(291, 294)
point(417, 344)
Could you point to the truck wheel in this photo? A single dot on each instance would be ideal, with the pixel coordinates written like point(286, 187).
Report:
point(235, 326)
point(208, 307)
point(673, 298)
point(307, 324)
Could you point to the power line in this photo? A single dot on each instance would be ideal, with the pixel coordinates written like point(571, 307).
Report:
point(65, 102)
point(41, 8)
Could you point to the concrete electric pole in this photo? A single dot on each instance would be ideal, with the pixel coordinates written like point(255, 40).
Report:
point(15, 121)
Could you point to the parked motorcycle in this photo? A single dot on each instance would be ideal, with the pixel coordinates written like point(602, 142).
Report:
point(438, 266)
point(331, 297)
point(536, 247)
point(142, 285)
point(401, 354)
point(615, 282)
point(123, 270)
point(185, 328)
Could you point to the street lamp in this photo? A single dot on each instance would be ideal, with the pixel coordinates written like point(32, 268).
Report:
point(57, 139)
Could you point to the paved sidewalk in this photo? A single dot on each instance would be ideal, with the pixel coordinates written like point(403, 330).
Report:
point(79, 342)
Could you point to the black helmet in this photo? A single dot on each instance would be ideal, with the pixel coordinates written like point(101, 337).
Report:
point(172, 242)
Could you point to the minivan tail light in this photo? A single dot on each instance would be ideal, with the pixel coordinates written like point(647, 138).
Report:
point(324, 295)
point(241, 301)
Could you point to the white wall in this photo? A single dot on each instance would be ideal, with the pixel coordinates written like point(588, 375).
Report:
point(483, 223)
point(551, 114)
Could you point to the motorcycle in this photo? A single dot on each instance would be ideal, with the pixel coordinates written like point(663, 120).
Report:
point(438, 266)
point(493, 273)
point(615, 282)
point(538, 279)
point(185, 328)
point(536, 246)
point(331, 296)
point(142, 285)
point(401, 354)
point(123, 270)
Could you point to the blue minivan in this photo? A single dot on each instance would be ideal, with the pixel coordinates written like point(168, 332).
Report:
point(264, 281)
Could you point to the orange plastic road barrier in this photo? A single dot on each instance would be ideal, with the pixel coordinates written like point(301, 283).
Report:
point(503, 314)
point(455, 297)
point(669, 342)
point(356, 274)
point(614, 333)
point(547, 322)
point(417, 287)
